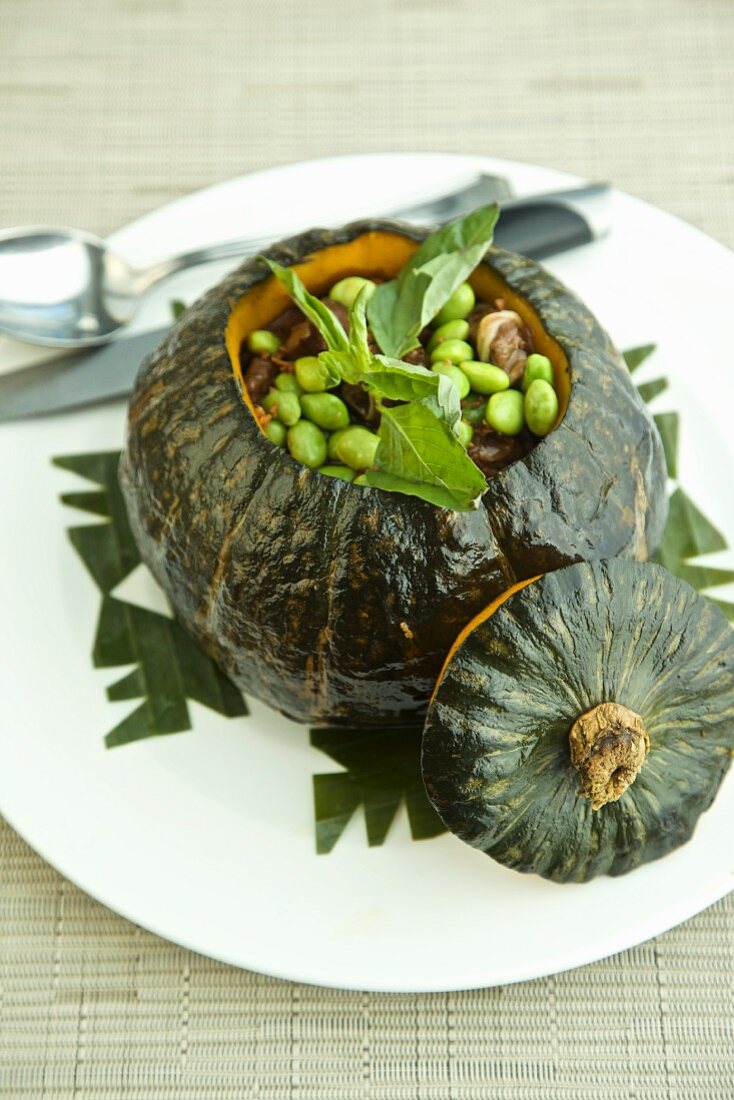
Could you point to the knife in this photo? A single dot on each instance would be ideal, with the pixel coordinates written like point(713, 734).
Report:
point(538, 226)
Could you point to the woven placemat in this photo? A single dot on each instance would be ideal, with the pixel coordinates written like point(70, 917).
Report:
point(108, 109)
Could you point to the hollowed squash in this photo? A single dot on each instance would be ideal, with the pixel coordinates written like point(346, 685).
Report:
point(337, 603)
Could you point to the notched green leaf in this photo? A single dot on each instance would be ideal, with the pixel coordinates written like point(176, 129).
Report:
point(170, 667)
point(668, 425)
point(635, 357)
point(382, 770)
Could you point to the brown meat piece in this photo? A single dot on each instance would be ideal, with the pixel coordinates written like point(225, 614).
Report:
point(491, 452)
point(340, 312)
point(285, 321)
point(360, 402)
point(417, 357)
point(509, 349)
point(301, 337)
point(259, 377)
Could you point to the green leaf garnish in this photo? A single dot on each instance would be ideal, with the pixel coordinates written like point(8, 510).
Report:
point(399, 309)
point(170, 667)
point(419, 455)
point(177, 308)
point(635, 357)
point(401, 381)
point(382, 770)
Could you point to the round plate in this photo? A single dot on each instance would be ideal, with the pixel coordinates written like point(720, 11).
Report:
point(206, 837)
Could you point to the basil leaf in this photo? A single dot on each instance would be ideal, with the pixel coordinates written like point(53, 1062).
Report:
point(320, 315)
point(420, 455)
point(399, 309)
point(340, 365)
point(358, 337)
point(401, 381)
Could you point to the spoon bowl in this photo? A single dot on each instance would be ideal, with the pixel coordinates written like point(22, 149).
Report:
point(64, 287)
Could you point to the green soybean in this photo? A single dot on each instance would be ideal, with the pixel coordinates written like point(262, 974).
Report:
point(453, 351)
point(346, 290)
point(473, 409)
point(262, 342)
point(288, 383)
point(356, 447)
point(311, 374)
point(485, 378)
point(458, 306)
point(505, 412)
point(276, 432)
point(289, 408)
point(457, 376)
point(464, 432)
point(541, 407)
point(325, 409)
point(271, 398)
point(341, 472)
point(333, 442)
point(452, 330)
point(537, 366)
point(307, 444)
point(361, 480)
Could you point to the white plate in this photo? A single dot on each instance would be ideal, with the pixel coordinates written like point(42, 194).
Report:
point(207, 837)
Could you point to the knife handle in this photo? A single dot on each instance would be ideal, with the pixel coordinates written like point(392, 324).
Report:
point(542, 225)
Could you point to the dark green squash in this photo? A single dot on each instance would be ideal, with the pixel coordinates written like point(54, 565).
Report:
point(584, 722)
point(336, 603)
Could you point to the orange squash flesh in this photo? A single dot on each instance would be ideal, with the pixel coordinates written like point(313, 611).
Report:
point(375, 254)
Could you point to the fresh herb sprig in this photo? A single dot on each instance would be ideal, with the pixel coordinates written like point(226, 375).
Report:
point(419, 453)
point(399, 309)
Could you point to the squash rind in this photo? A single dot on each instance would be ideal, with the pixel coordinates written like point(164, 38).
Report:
point(496, 760)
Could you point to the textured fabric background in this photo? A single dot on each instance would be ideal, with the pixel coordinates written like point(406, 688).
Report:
point(109, 108)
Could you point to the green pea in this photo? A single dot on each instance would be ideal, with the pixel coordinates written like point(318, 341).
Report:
point(485, 378)
point(453, 351)
point(288, 383)
point(276, 432)
point(541, 407)
point(271, 398)
point(464, 432)
point(537, 366)
point(505, 412)
point(333, 443)
point(262, 342)
point(325, 409)
point(356, 447)
point(346, 290)
point(452, 330)
point(458, 306)
point(342, 472)
point(289, 408)
point(474, 408)
point(361, 480)
point(457, 376)
point(307, 444)
point(311, 374)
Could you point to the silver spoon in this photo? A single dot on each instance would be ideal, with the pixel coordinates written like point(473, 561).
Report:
point(65, 288)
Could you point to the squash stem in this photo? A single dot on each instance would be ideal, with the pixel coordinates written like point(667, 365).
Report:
point(608, 746)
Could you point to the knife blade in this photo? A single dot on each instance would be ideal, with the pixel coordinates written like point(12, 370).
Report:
point(538, 226)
